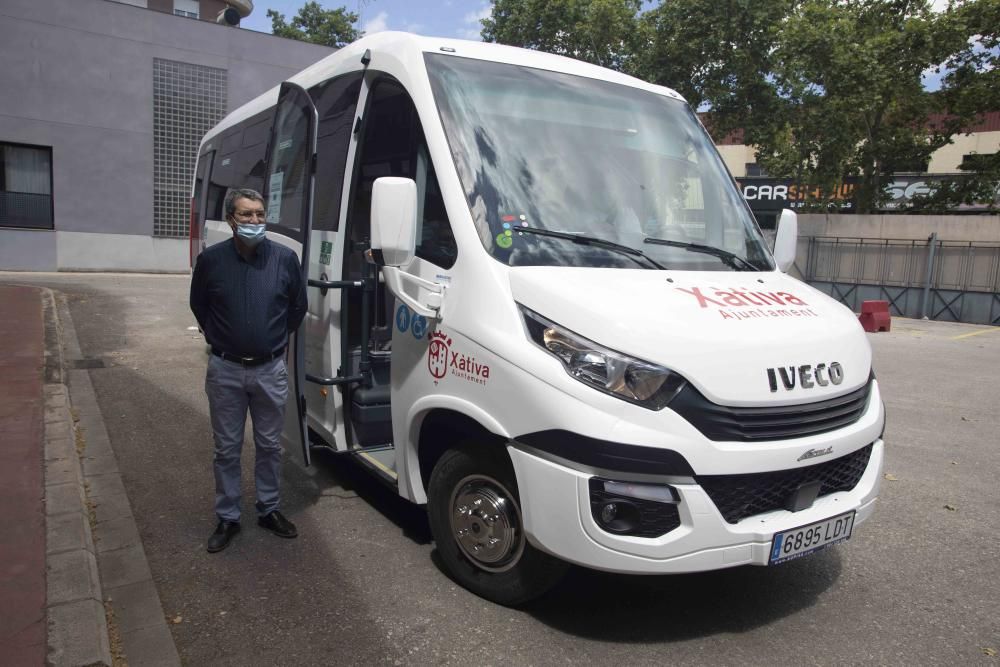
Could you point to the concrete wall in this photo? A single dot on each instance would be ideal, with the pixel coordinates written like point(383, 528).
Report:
point(948, 227)
point(861, 264)
point(78, 77)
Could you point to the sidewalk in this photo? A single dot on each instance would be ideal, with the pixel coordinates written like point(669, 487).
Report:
point(75, 586)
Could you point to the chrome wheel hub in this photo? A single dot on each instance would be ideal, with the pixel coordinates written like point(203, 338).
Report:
point(486, 523)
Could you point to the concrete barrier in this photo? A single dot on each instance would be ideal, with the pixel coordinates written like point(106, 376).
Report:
point(875, 316)
point(978, 228)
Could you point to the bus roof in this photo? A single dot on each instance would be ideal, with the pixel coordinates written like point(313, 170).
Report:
point(406, 44)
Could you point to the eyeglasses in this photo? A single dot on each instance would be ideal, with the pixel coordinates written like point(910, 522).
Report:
point(250, 215)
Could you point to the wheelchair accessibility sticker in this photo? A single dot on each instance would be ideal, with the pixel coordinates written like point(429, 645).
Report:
point(418, 326)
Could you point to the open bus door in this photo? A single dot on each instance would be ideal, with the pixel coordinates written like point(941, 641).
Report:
point(199, 202)
point(288, 192)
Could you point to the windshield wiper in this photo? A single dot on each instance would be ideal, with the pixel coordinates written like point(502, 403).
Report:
point(731, 259)
point(583, 239)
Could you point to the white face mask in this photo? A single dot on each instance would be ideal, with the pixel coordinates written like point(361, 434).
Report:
point(250, 234)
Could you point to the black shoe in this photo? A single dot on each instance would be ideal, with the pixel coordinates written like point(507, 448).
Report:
point(223, 535)
point(278, 524)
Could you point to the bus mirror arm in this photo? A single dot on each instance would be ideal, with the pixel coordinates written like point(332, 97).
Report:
point(397, 281)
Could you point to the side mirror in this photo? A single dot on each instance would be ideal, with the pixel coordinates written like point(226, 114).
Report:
point(786, 240)
point(394, 220)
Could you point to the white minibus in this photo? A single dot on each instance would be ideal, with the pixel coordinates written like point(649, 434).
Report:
point(539, 306)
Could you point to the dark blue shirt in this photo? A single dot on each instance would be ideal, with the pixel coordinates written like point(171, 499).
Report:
point(248, 308)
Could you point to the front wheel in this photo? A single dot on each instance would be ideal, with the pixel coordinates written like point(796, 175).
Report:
point(475, 517)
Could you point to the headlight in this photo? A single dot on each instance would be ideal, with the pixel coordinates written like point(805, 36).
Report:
point(623, 377)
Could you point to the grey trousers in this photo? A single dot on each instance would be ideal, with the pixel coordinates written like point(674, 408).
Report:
point(232, 390)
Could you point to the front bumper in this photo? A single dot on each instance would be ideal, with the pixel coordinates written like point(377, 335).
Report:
point(555, 501)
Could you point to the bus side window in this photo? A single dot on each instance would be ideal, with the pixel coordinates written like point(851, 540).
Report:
point(216, 196)
point(336, 102)
point(239, 163)
point(223, 174)
point(394, 145)
point(435, 241)
point(250, 167)
point(201, 170)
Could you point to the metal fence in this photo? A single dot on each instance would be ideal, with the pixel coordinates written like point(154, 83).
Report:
point(953, 281)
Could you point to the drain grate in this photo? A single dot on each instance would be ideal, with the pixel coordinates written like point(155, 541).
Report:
point(88, 363)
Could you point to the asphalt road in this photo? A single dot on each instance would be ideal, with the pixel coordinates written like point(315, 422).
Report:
point(918, 584)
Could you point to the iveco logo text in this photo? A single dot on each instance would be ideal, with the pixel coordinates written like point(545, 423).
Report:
point(808, 376)
point(813, 453)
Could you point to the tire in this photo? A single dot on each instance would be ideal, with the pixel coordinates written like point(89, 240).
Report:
point(510, 571)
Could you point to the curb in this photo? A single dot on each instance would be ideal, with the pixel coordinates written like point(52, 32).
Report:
point(96, 566)
point(77, 627)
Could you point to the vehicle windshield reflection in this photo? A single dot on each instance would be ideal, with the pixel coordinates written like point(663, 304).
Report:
point(731, 259)
point(605, 160)
point(583, 239)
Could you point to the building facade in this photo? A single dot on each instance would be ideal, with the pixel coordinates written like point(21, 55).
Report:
point(767, 196)
point(104, 105)
point(203, 10)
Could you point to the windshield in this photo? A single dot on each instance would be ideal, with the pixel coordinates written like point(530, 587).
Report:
point(568, 154)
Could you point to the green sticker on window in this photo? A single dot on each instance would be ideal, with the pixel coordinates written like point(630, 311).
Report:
point(504, 241)
point(325, 251)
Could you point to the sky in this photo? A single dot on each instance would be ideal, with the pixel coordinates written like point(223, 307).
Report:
point(436, 18)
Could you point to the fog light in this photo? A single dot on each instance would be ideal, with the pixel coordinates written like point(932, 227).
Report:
point(634, 508)
point(619, 516)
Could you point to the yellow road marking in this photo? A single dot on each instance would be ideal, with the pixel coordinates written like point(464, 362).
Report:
point(974, 333)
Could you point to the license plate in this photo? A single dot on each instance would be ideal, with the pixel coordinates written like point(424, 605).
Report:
point(805, 540)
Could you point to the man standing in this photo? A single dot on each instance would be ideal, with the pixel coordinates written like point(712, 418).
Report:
point(247, 293)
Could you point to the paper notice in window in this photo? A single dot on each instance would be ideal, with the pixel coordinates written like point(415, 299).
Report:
point(274, 198)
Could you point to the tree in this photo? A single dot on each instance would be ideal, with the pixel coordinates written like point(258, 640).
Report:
point(971, 86)
point(849, 74)
point(972, 81)
point(824, 89)
point(714, 52)
point(595, 31)
point(328, 27)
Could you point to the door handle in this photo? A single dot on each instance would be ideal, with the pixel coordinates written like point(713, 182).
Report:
point(397, 280)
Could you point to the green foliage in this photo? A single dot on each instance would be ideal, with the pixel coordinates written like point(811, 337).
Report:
point(972, 83)
point(328, 27)
point(714, 53)
point(971, 86)
point(850, 77)
point(595, 31)
point(823, 89)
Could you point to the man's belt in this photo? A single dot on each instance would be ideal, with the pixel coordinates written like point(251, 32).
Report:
point(248, 361)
